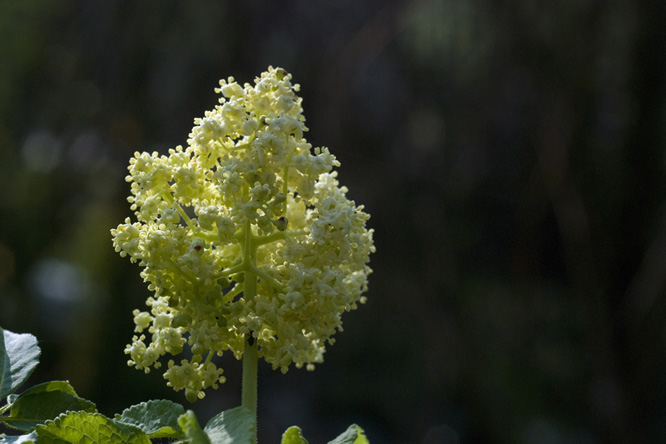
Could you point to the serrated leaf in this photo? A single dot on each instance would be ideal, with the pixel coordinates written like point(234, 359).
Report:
point(157, 418)
point(236, 425)
point(293, 435)
point(45, 401)
point(30, 438)
point(91, 428)
point(19, 355)
point(353, 435)
point(190, 426)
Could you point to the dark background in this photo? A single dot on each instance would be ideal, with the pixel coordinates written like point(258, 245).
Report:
point(511, 155)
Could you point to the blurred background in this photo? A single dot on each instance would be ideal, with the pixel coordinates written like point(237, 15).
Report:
point(511, 154)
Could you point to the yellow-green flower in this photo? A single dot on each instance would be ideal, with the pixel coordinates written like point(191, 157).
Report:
point(247, 198)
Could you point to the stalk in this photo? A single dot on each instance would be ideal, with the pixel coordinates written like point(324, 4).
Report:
point(249, 393)
point(250, 358)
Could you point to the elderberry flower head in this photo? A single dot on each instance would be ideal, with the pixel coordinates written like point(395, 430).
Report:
point(245, 233)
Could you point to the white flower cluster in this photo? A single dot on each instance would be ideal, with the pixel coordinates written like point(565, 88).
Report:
point(249, 198)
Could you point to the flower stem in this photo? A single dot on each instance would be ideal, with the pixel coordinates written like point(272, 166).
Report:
point(249, 394)
point(250, 358)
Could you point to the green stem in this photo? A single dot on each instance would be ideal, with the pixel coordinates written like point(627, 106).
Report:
point(249, 394)
point(276, 236)
point(285, 189)
point(168, 197)
point(268, 278)
point(250, 359)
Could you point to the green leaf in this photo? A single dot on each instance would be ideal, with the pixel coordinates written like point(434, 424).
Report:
point(45, 401)
point(361, 438)
point(293, 435)
point(236, 425)
point(30, 438)
point(19, 355)
point(157, 418)
point(353, 435)
point(91, 428)
point(192, 430)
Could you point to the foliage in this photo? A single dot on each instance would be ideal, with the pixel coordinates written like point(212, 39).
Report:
point(52, 413)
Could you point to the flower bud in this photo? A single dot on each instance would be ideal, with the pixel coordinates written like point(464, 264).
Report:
point(280, 223)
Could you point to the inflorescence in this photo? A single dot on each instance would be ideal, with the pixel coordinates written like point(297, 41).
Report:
point(247, 198)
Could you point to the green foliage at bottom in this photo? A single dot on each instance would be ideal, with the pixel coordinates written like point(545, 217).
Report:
point(192, 430)
point(236, 425)
point(77, 427)
point(293, 435)
point(52, 412)
point(157, 418)
point(19, 355)
point(353, 435)
point(43, 402)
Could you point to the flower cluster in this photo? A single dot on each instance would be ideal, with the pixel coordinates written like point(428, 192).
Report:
point(245, 234)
